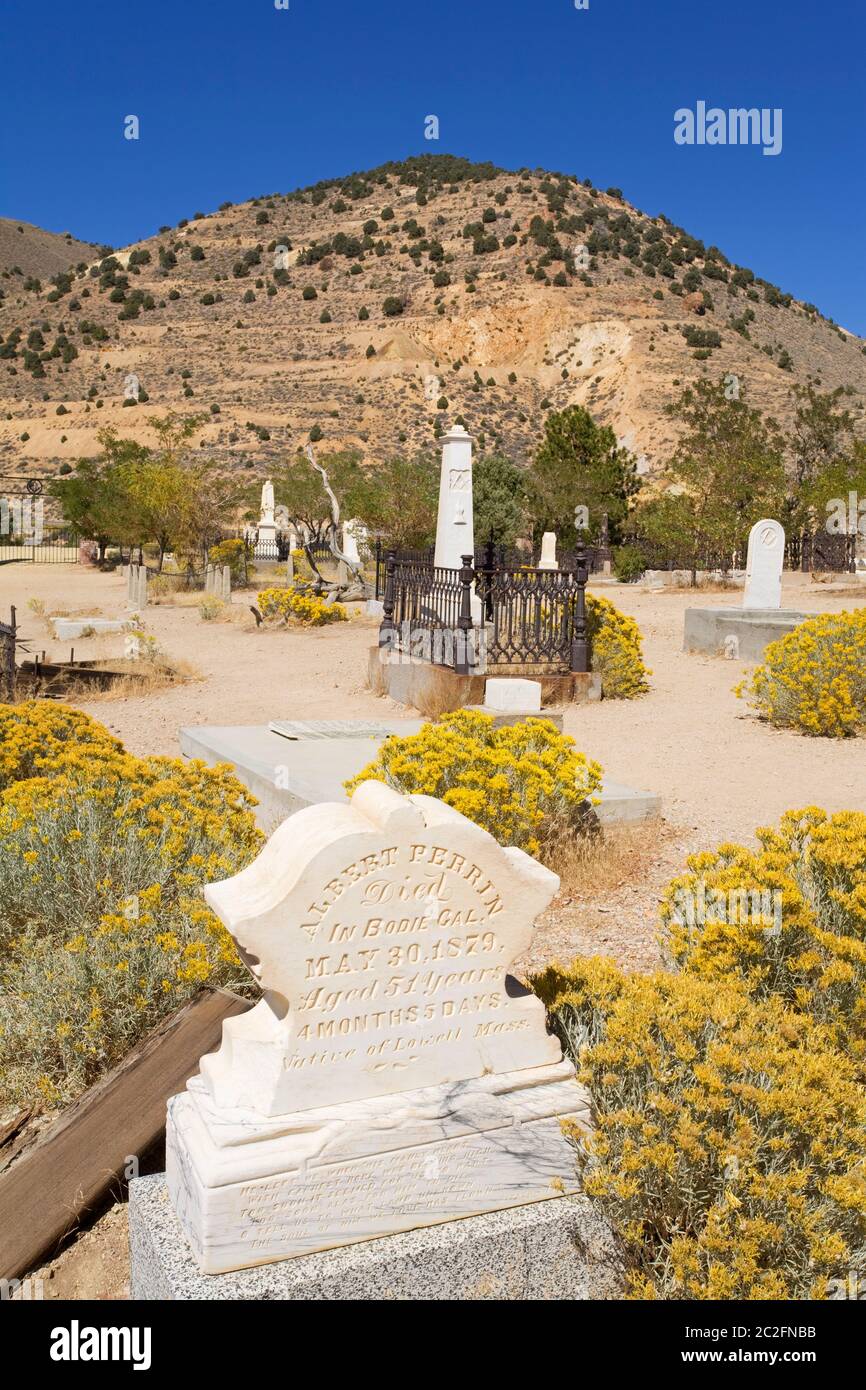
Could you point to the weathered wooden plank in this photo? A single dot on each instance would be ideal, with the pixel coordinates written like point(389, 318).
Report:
point(50, 1187)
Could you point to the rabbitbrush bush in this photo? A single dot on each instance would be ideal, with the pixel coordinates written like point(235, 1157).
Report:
point(727, 1150)
point(295, 606)
point(526, 783)
point(812, 955)
point(617, 656)
point(103, 929)
point(814, 679)
point(35, 734)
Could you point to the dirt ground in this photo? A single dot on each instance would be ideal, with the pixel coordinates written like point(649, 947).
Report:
point(719, 771)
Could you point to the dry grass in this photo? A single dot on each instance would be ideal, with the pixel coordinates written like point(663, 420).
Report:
point(437, 697)
point(138, 679)
point(605, 860)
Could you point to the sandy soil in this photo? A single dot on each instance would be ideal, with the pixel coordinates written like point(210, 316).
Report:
point(719, 771)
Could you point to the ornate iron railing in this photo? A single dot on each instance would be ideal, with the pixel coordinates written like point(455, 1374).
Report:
point(491, 613)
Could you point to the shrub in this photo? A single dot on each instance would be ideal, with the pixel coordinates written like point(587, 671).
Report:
point(309, 292)
point(526, 783)
point(617, 656)
point(295, 606)
point(234, 554)
point(392, 306)
point(814, 678)
point(786, 920)
point(210, 608)
point(35, 736)
point(102, 857)
point(727, 1146)
point(628, 563)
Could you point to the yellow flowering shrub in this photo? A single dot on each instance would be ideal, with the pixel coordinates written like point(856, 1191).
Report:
point(103, 929)
point(295, 605)
point(814, 679)
point(233, 553)
point(36, 733)
point(787, 920)
point(526, 783)
point(617, 654)
point(728, 1134)
point(301, 564)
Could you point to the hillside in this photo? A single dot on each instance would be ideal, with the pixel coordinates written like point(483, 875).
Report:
point(31, 251)
point(408, 297)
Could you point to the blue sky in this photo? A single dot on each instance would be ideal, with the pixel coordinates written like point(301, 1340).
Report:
point(237, 98)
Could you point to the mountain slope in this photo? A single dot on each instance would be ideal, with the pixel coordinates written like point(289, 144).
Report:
point(486, 295)
point(30, 250)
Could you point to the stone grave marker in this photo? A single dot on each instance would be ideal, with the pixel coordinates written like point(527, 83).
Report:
point(766, 557)
point(547, 559)
point(394, 1075)
point(454, 523)
point(136, 587)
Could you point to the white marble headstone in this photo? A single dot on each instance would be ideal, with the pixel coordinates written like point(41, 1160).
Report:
point(351, 532)
point(393, 1075)
point(547, 559)
point(766, 557)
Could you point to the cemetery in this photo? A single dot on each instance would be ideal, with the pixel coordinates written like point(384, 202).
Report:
point(372, 826)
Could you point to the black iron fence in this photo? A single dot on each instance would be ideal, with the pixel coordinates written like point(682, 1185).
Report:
point(504, 556)
point(56, 549)
point(819, 551)
point(491, 614)
point(823, 552)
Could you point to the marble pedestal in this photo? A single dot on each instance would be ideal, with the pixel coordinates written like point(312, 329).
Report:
point(248, 1190)
point(266, 542)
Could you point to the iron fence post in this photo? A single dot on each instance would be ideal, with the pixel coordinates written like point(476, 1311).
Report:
point(489, 569)
point(464, 621)
point(387, 625)
point(579, 640)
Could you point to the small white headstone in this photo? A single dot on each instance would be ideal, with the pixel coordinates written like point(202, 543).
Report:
point(766, 558)
point(350, 541)
point(547, 560)
point(511, 695)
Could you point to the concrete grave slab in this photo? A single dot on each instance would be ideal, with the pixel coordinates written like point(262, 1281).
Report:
point(288, 773)
point(744, 633)
point(68, 629)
